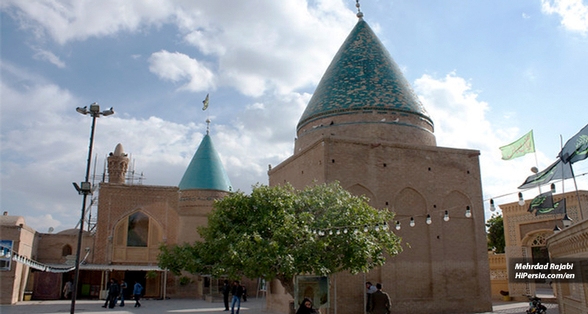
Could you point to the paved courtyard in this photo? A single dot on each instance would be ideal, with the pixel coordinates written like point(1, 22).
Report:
point(188, 306)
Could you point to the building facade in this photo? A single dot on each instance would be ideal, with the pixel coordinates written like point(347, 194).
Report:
point(535, 239)
point(365, 127)
point(133, 221)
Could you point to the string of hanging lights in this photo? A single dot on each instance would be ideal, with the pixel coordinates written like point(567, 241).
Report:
point(338, 230)
point(6, 252)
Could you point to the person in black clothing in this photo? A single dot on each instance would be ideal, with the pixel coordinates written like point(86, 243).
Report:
point(244, 293)
point(306, 307)
point(226, 290)
point(237, 292)
point(113, 293)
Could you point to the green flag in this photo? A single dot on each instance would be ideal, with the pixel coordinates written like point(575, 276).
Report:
point(541, 201)
point(205, 103)
point(558, 207)
point(576, 148)
point(556, 171)
point(518, 148)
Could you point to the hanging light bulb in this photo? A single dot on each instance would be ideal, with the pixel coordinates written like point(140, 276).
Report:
point(492, 207)
point(552, 187)
point(345, 231)
point(338, 232)
point(521, 199)
point(385, 226)
point(377, 228)
point(446, 216)
point(355, 231)
point(397, 225)
point(330, 232)
point(567, 221)
point(365, 228)
point(313, 231)
point(411, 222)
point(468, 212)
point(429, 221)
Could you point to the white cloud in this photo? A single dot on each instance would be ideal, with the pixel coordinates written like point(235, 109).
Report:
point(40, 183)
point(287, 48)
point(574, 13)
point(460, 118)
point(49, 56)
point(178, 67)
point(65, 21)
point(43, 223)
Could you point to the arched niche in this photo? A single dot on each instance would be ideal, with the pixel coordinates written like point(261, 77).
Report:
point(359, 190)
point(137, 237)
point(413, 264)
point(535, 244)
point(66, 250)
point(458, 244)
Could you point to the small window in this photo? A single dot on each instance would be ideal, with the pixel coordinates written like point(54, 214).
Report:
point(138, 230)
point(5, 254)
point(66, 250)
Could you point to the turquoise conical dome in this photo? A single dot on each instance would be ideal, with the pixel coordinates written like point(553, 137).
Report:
point(363, 77)
point(206, 171)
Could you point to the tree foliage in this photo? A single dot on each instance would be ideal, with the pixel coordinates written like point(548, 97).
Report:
point(495, 227)
point(271, 233)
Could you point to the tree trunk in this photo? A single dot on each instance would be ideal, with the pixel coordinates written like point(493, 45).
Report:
point(288, 284)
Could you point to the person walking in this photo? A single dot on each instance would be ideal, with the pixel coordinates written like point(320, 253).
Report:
point(123, 290)
point(244, 293)
point(380, 301)
point(369, 290)
point(113, 293)
point(237, 292)
point(137, 290)
point(306, 307)
point(226, 291)
point(67, 290)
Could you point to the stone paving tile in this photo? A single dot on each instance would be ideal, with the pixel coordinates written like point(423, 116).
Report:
point(180, 306)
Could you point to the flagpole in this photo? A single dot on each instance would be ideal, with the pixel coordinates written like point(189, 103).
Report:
point(537, 167)
point(577, 193)
point(563, 190)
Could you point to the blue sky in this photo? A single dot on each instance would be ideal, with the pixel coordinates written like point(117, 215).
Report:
point(487, 72)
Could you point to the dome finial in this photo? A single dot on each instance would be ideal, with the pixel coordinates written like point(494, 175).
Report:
point(207, 126)
point(359, 13)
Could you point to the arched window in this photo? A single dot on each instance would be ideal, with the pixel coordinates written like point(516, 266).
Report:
point(66, 250)
point(138, 230)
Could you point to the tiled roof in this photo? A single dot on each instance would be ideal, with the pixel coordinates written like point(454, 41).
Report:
point(206, 171)
point(362, 76)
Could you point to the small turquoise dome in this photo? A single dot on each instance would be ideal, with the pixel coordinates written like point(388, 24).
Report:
point(206, 171)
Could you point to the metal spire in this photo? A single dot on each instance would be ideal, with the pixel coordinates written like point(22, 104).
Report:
point(359, 13)
point(207, 126)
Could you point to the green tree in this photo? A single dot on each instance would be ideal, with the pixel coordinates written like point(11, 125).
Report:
point(276, 232)
point(495, 227)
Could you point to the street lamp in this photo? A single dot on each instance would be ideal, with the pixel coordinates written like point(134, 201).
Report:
point(85, 188)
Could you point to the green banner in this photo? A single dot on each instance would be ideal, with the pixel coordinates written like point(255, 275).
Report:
point(518, 148)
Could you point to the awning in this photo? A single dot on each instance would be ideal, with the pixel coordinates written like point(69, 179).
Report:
point(111, 267)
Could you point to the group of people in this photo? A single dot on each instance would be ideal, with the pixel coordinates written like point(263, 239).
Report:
point(117, 291)
point(378, 301)
point(238, 291)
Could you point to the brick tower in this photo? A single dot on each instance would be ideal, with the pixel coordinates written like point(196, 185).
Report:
point(365, 127)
